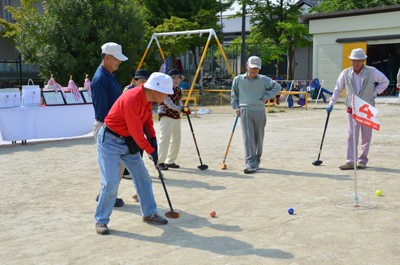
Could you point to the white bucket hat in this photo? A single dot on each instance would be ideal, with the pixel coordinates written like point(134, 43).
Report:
point(160, 82)
point(254, 62)
point(113, 49)
point(357, 54)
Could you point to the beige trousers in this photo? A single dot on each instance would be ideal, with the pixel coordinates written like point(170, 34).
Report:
point(96, 128)
point(170, 140)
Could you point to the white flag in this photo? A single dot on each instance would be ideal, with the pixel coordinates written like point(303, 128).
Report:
point(365, 114)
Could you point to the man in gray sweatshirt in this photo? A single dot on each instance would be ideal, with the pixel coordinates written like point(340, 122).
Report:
point(250, 93)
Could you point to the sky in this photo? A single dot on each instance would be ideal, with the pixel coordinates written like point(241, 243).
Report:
point(236, 7)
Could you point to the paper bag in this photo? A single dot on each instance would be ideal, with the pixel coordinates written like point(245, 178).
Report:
point(6, 99)
point(31, 95)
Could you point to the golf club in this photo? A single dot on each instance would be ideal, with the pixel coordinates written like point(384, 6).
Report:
point(319, 162)
point(171, 214)
point(202, 167)
point(222, 165)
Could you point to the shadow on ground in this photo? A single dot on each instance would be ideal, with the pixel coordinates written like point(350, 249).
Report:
point(174, 235)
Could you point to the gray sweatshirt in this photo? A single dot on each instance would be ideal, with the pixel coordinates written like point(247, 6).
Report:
point(248, 93)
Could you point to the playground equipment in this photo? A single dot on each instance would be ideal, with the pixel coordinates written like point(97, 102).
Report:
point(211, 33)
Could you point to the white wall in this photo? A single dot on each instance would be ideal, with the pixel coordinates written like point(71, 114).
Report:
point(328, 54)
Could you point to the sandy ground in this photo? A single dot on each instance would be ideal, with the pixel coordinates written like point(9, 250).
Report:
point(48, 189)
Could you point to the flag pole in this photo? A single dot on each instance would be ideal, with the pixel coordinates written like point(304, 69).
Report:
point(355, 154)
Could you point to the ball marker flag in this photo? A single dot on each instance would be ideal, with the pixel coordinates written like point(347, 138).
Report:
point(365, 114)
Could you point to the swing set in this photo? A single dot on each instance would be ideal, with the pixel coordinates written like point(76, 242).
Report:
point(211, 33)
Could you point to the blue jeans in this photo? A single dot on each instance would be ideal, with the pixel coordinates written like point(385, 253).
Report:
point(111, 151)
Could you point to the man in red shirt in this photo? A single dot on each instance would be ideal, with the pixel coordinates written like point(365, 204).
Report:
point(120, 139)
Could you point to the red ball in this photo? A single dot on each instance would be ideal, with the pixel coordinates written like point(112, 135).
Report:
point(213, 213)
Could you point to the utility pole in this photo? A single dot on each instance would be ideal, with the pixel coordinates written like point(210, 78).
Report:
point(242, 56)
point(222, 42)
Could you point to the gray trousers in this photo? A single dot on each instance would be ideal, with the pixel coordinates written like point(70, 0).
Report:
point(253, 123)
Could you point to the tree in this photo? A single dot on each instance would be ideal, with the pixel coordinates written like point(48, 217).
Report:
point(66, 40)
point(265, 50)
point(275, 22)
point(202, 12)
point(188, 9)
point(172, 47)
point(339, 5)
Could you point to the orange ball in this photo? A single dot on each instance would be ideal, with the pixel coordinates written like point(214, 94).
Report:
point(213, 213)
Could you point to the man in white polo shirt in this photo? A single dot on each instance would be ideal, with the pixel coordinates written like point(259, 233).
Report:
point(365, 82)
point(250, 92)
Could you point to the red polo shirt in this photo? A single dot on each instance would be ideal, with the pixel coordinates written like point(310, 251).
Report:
point(129, 114)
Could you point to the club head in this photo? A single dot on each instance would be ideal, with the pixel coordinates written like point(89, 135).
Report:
point(317, 162)
point(173, 214)
point(222, 165)
point(202, 167)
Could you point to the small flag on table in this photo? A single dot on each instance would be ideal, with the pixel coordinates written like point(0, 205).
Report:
point(365, 114)
point(74, 89)
point(56, 86)
point(88, 86)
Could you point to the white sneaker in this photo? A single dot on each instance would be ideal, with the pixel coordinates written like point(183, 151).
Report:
point(248, 170)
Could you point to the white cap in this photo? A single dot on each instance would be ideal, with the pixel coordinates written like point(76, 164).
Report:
point(113, 49)
point(357, 54)
point(160, 82)
point(254, 62)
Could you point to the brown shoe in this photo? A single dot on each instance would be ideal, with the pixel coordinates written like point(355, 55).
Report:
point(347, 166)
point(102, 229)
point(155, 219)
point(135, 197)
point(173, 165)
point(361, 165)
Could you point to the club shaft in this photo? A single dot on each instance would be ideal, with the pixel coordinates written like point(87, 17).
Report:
point(323, 135)
point(159, 172)
point(194, 138)
point(230, 140)
point(165, 189)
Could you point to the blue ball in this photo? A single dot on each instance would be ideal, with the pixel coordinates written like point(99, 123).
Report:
point(290, 211)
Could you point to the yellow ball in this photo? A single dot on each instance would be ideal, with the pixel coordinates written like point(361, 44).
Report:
point(378, 192)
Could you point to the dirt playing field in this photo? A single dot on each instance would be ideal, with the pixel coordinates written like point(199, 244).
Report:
point(48, 192)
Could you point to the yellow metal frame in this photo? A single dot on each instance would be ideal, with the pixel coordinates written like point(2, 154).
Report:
point(211, 33)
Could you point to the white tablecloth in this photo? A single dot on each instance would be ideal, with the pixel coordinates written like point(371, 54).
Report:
point(18, 124)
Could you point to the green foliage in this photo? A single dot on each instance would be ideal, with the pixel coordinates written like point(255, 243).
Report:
point(66, 40)
point(179, 15)
point(169, 45)
point(205, 19)
point(275, 23)
point(340, 5)
point(26, 15)
point(187, 9)
point(266, 50)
